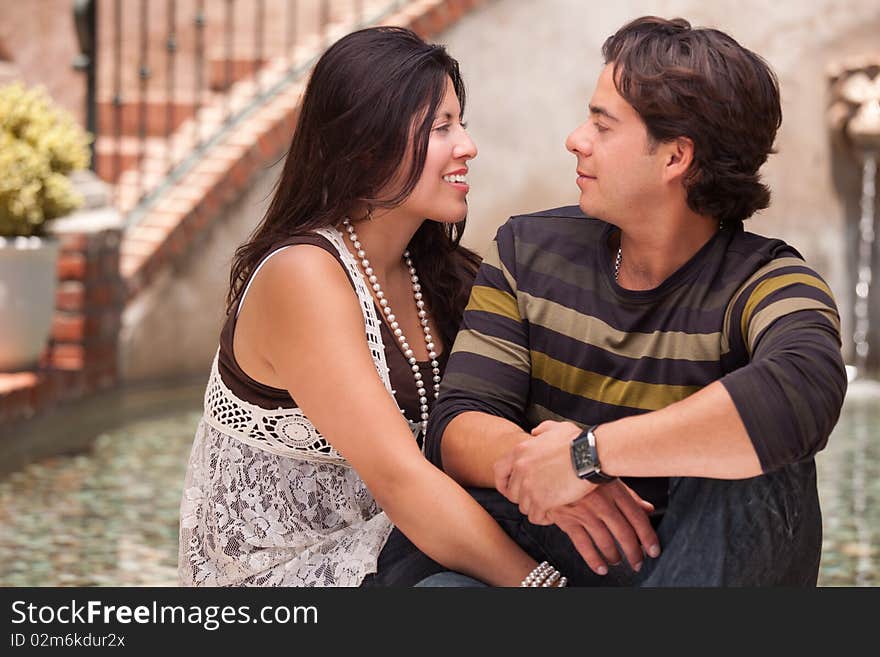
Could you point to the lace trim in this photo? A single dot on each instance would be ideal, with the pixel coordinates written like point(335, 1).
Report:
point(371, 322)
point(250, 518)
point(283, 432)
point(287, 431)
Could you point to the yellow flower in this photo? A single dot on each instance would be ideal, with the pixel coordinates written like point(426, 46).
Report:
point(39, 145)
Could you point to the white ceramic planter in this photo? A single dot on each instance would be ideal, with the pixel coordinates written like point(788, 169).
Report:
point(27, 299)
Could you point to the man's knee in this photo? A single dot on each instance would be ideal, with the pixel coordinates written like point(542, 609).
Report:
point(762, 531)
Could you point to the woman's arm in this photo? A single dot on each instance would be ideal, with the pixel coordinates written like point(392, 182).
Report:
point(309, 328)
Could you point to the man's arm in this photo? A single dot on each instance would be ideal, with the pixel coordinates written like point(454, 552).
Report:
point(701, 436)
point(778, 409)
point(473, 442)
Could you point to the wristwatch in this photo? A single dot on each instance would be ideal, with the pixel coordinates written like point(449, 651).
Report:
point(585, 458)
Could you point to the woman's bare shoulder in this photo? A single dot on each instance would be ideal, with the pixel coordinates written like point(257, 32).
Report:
point(302, 269)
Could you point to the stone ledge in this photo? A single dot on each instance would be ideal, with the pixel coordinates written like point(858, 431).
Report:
point(23, 394)
point(81, 356)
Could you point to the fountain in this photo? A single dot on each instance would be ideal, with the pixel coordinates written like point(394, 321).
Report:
point(855, 122)
point(848, 469)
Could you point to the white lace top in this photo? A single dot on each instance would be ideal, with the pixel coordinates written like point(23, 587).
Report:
point(267, 501)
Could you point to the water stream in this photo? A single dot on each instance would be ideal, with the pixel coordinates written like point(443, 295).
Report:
point(864, 264)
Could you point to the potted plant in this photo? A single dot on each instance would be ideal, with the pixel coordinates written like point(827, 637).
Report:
point(40, 144)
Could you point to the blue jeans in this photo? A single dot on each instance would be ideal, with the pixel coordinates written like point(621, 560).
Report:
point(763, 531)
point(449, 579)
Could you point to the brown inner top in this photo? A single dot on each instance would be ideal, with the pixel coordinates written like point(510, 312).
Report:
point(400, 372)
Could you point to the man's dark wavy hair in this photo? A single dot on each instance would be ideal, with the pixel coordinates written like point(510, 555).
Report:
point(701, 84)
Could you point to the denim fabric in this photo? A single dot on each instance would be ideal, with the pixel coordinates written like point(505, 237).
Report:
point(450, 579)
point(763, 531)
point(401, 564)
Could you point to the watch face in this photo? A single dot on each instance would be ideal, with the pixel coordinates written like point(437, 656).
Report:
point(582, 457)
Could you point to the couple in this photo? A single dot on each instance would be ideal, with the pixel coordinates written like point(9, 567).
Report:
point(637, 386)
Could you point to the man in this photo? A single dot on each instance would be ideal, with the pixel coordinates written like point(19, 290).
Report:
point(643, 363)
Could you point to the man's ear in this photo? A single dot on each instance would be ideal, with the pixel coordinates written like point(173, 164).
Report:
point(679, 156)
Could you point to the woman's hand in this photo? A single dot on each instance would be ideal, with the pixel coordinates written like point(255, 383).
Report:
point(612, 515)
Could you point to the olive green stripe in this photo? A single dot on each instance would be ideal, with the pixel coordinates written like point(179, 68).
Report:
point(608, 390)
point(490, 300)
point(535, 414)
point(767, 287)
point(771, 266)
point(497, 349)
point(591, 330)
point(766, 316)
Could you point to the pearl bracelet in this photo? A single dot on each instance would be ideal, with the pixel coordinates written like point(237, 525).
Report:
point(545, 576)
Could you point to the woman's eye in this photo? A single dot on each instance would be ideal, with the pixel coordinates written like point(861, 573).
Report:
point(442, 128)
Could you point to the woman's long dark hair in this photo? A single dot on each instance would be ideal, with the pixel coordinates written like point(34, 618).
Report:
point(371, 93)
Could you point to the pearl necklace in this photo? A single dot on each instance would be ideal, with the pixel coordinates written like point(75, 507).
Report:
point(395, 327)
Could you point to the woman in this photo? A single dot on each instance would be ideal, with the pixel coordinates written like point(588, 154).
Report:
point(304, 456)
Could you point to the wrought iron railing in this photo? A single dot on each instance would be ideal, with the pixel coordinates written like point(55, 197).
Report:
point(149, 104)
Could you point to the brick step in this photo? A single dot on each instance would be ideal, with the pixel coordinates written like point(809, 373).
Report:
point(117, 160)
point(221, 76)
point(153, 113)
point(115, 156)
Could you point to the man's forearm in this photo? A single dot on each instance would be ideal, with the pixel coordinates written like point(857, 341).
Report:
point(473, 442)
point(701, 436)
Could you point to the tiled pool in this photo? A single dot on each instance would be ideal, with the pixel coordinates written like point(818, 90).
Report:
point(109, 517)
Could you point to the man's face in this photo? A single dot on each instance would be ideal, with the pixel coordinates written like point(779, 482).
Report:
point(618, 175)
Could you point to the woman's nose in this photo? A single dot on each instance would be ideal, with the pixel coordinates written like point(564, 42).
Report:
point(465, 148)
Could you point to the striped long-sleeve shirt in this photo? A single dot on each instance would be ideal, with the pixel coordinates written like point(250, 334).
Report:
point(549, 334)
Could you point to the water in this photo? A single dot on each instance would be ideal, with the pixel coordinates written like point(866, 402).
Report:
point(849, 489)
point(864, 265)
point(109, 517)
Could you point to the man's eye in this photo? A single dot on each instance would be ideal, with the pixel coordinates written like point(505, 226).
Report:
point(600, 127)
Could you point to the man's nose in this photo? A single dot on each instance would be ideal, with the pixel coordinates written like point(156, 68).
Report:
point(578, 141)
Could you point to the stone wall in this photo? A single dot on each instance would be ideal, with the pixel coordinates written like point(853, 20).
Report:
point(172, 326)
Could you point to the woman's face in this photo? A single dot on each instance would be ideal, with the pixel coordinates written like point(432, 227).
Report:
point(441, 192)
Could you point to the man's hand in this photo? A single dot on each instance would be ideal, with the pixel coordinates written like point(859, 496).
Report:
point(538, 475)
point(613, 511)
